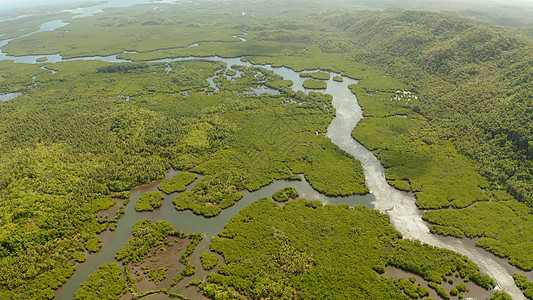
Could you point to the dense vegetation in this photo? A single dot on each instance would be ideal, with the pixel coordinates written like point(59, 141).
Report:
point(72, 140)
point(209, 261)
point(431, 171)
point(178, 183)
point(66, 143)
point(442, 178)
point(469, 87)
point(507, 236)
point(465, 74)
point(523, 284)
point(285, 194)
point(102, 203)
point(472, 79)
point(62, 145)
point(465, 81)
point(146, 235)
point(314, 84)
point(149, 201)
point(105, 283)
point(258, 154)
point(306, 250)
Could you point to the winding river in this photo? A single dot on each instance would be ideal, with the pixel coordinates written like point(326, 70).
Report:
point(405, 216)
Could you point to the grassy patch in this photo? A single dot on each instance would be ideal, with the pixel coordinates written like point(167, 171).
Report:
point(178, 183)
point(285, 194)
point(314, 84)
point(102, 203)
point(378, 103)
point(316, 75)
point(149, 201)
point(439, 176)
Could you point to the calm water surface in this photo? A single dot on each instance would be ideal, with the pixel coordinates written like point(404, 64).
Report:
point(405, 216)
point(9, 96)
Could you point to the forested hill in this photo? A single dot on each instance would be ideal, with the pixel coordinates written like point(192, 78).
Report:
point(475, 81)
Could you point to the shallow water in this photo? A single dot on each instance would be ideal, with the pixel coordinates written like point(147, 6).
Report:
point(240, 38)
point(32, 59)
point(404, 214)
point(474, 291)
point(84, 12)
point(186, 221)
point(9, 96)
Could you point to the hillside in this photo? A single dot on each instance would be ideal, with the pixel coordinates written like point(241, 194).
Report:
point(82, 134)
point(475, 83)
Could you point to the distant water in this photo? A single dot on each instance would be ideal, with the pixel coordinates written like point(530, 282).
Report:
point(10, 96)
point(86, 11)
point(90, 11)
point(404, 214)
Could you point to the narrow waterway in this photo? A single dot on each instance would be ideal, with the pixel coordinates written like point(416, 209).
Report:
point(9, 96)
point(186, 221)
point(405, 216)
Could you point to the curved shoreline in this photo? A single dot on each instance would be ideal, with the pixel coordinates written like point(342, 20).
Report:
point(405, 216)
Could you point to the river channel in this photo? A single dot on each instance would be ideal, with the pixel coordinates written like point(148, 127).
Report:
point(405, 216)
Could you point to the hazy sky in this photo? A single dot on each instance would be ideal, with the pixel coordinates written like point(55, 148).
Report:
point(8, 4)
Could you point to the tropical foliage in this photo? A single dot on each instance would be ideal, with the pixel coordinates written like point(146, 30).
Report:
point(523, 284)
point(149, 201)
point(441, 177)
point(73, 138)
point(314, 84)
point(67, 148)
point(209, 261)
point(285, 194)
point(146, 235)
point(178, 183)
point(306, 251)
point(471, 79)
point(105, 283)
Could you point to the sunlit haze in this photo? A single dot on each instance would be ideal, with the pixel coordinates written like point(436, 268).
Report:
point(9, 4)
